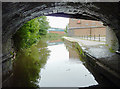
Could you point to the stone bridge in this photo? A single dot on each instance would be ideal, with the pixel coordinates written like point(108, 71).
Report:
point(15, 14)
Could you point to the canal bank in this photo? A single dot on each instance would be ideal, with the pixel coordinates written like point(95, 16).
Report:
point(97, 54)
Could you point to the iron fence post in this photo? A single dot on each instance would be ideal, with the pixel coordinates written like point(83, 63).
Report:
point(94, 37)
point(99, 37)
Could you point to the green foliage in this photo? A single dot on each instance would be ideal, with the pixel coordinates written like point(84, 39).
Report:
point(106, 44)
point(31, 32)
point(66, 30)
point(111, 50)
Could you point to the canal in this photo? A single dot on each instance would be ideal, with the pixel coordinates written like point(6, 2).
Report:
point(52, 64)
point(64, 69)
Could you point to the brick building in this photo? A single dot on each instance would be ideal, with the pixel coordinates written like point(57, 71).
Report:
point(80, 27)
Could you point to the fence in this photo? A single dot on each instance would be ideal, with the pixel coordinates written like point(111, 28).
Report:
point(93, 37)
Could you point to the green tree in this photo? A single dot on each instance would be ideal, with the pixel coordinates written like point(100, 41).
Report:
point(43, 26)
point(31, 32)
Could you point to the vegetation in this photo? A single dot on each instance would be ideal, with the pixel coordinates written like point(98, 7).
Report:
point(30, 58)
point(31, 32)
point(111, 50)
point(66, 30)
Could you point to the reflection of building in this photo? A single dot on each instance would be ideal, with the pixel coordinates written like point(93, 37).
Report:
point(79, 27)
point(55, 42)
point(73, 54)
point(56, 30)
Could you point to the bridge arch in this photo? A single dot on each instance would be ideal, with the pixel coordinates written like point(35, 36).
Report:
point(14, 15)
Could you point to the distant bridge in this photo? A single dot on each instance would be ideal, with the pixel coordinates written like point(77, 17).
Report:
point(56, 29)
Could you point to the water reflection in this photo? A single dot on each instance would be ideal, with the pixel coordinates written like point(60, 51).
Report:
point(55, 42)
point(28, 64)
point(64, 69)
point(53, 64)
point(73, 55)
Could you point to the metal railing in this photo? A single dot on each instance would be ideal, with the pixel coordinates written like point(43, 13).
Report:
point(93, 37)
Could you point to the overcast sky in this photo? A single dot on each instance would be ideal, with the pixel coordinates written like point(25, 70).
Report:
point(58, 22)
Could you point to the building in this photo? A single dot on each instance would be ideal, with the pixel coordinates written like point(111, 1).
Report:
point(56, 30)
point(80, 27)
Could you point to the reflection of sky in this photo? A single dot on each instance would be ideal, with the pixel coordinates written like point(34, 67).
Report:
point(60, 72)
point(54, 43)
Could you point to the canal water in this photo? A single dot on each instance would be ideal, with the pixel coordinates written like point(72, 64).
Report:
point(50, 64)
point(64, 69)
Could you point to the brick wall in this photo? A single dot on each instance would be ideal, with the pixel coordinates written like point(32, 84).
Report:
point(73, 54)
point(85, 32)
point(86, 27)
point(83, 23)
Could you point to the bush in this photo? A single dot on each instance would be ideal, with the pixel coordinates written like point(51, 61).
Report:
point(31, 32)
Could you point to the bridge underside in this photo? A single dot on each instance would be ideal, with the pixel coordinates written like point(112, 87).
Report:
point(14, 15)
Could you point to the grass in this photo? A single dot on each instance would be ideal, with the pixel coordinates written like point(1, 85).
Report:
point(111, 50)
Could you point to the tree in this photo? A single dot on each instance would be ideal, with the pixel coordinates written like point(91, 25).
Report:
point(31, 32)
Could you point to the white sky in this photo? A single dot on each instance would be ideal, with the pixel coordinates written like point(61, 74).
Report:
point(58, 22)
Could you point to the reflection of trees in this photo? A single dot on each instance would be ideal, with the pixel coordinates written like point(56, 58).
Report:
point(28, 63)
